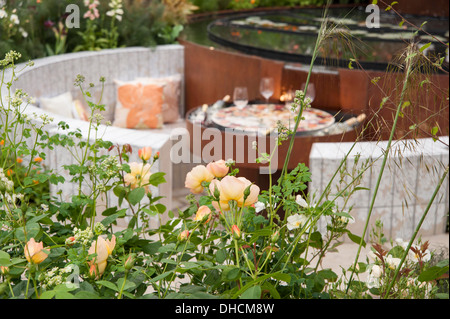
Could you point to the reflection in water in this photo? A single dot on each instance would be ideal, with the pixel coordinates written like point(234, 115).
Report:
point(291, 35)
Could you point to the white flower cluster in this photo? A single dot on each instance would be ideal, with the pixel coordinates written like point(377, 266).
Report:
point(110, 166)
point(18, 98)
point(81, 236)
point(230, 162)
point(116, 9)
point(11, 199)
point(96, 118)
point(299, 96)
point(6, 185)
point(46, 119)
point(54, 277)
point(375, 270)
point(106, 169)
point(10, 57)
point(413, 257)
point(101, 188)
point(99, 228)
point(13, 18)
point(414, 286)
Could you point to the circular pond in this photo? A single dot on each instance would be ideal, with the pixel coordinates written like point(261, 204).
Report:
point(290, 35)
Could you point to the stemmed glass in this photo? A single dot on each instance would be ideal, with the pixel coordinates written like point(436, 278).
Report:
point(240, 97)
point(266, 88)
point(311, 91)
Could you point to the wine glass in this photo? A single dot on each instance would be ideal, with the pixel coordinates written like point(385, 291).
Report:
point(240, 97)
point(311, 91)
point(266, 88)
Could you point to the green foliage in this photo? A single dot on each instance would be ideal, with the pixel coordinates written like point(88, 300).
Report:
point(217, 5)
point(41, 28)
point(268, 248)
point(211, 5)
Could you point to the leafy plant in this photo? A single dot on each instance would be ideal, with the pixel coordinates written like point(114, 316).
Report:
point(234, 240)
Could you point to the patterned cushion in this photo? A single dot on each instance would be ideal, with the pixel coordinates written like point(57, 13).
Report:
point(138, 105)
point(171, 95)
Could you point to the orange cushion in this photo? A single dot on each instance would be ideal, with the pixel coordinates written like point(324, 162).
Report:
point(138, 105)
point(171, 95)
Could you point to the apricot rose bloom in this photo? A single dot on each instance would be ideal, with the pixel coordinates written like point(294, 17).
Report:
point(236, 232)
point(103, 249)
point(233, 188)
point(34, 252)
point(139, 175)
point(203, 214)
point(196, 177)
point(218, 168)
point(184, 235)
point(145, 153)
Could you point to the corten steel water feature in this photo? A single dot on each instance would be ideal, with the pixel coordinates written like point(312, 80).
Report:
point(213, 69)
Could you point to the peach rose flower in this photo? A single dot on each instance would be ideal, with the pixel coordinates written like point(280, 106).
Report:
point(233, 188)
point(145, 153)
point(218, 168)
point(254, 193)
point(184, 235)
point(196, 177)
point(203, 214)
point(34, 252)
point(235, 231)
point(103, 248)
point(139, 175)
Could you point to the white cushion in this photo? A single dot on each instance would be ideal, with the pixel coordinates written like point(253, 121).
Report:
point(61, 104)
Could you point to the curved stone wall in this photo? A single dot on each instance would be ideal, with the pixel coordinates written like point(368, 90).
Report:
point(55, 75)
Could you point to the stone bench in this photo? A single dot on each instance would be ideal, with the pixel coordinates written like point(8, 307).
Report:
point(52, 76)
point(411, 174)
